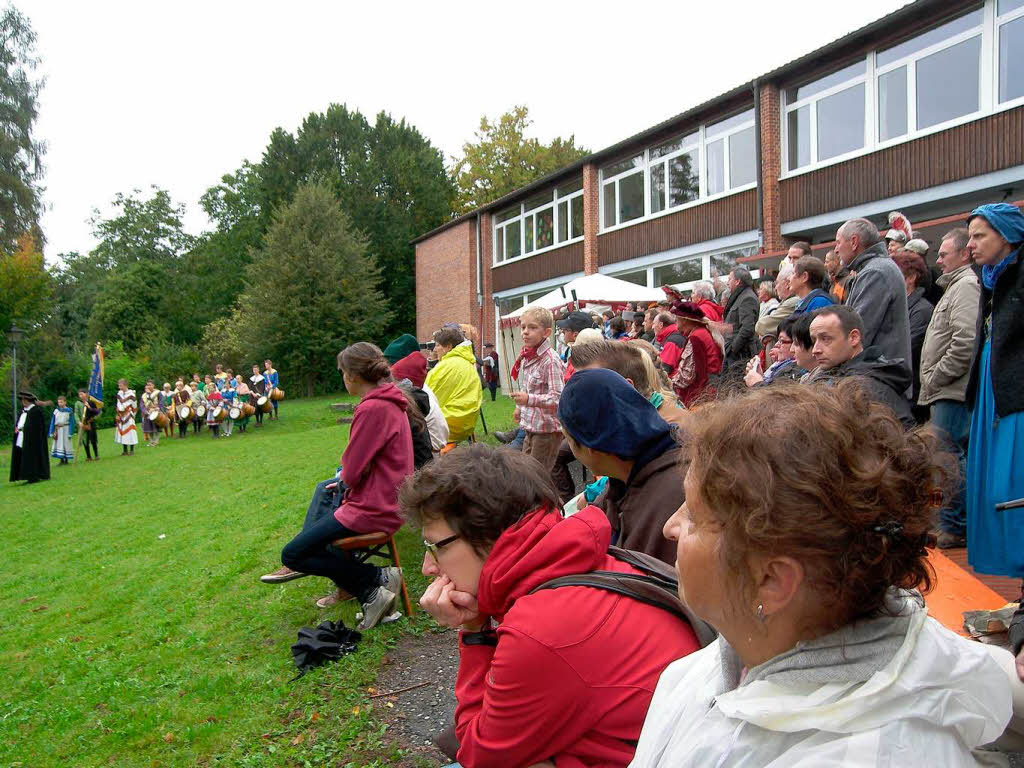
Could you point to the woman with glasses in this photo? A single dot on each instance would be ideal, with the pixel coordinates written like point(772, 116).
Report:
point(562, 675)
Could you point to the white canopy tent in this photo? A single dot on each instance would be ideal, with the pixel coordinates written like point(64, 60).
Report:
point(596, 292)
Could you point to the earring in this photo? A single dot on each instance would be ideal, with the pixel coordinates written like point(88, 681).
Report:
point(760, 613)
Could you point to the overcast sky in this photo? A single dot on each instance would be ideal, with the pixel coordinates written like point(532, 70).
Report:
point(177, 94)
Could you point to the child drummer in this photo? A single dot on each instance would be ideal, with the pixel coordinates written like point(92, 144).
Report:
point(213, 400)
point(258, 387)
point(150, 405)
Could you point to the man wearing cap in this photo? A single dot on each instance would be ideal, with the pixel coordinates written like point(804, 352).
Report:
point(570, 326)
point(490, 367)
point(29, 459)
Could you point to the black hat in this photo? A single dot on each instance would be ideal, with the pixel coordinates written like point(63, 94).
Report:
point(575, 321)
point(26, 395)
point(488, 344)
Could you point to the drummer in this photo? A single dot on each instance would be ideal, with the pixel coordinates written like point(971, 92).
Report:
point(213, 401)
point(229, 393)
point(272, 381)
point(150, 404)
point(210, 386)
point(242, 398)
point(258, 387)
point(198, 400)
point(167, 406)
point(182, 399)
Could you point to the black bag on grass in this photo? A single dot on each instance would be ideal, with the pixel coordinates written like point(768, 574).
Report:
point(327, 642)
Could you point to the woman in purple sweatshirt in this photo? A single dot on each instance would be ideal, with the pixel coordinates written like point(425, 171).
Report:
point(377, 459)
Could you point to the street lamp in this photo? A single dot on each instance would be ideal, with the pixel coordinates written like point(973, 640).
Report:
point(14, 335)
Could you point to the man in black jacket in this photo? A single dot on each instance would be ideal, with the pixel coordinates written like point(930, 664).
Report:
point(29, 456)
point(740, 318)
point(836, 332)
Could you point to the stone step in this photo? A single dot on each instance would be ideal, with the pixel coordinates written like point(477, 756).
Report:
point(347, 407)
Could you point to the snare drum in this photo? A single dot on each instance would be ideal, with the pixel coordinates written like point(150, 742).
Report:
point(247, 409)
point(219, 413)
point(159, 418)
point(184, 413)
point(277, 394)
point(264, 404)
point(235, 412)
point(200, 411)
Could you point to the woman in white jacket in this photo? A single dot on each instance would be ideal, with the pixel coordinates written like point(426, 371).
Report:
point(802, 541)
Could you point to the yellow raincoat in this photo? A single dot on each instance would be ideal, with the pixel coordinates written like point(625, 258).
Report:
point(456, 384)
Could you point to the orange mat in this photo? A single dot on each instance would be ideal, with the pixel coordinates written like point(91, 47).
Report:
point(957, 591)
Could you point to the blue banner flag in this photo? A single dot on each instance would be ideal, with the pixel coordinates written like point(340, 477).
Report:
point(96, 379)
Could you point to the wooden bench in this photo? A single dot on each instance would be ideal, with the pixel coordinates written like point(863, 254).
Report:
point(368, 545)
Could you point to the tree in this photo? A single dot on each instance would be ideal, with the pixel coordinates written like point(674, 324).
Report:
point(25, 286)
point(502, 159)
point(21, 155)
point(311, 290)
point(147, 231)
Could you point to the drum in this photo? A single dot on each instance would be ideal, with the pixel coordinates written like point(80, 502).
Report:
point(235, 412)
point(219, 413)
point(200, 411)
point(247, 409)
point(159, 418)
point(264, 404)
point(184, 413)
point(277, 394)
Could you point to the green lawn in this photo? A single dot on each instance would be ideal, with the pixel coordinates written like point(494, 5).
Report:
point(119, 647)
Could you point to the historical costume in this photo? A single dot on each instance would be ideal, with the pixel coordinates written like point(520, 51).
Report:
point(243, 397)
point(124, 421)
point(213, 401)
point(28, 454)
point(258, 387)
point(181, 398)
point(229, 393)
point(167, 406)
point(85, 417)
point(62, 427)
point(273, 382)
point(150, 405)
point(198, 402)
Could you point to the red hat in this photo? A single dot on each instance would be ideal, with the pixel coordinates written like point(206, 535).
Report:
point(412, 367)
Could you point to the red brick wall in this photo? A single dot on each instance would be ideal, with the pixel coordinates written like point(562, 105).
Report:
point(771, 167)
point(446, 279)
point(591, 217)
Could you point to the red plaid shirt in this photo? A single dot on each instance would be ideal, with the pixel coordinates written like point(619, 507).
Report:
point(542, 378)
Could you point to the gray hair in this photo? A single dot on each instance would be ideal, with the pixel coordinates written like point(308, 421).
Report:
point(959, 237)
point(769, 286)
point(743, 275)
point(702, 289)
point(866, 232)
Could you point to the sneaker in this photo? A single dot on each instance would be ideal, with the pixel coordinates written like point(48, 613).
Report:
point(392, 579)
point(281, 575)
point(337, 596)
point(948, 540)
point(376, 608)
point(505, 437)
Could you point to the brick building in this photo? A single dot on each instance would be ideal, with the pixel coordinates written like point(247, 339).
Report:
point(921, 111)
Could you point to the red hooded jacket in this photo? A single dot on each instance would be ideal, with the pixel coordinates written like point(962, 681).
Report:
point(574, 669)
point(376, 461)
point(711, 310)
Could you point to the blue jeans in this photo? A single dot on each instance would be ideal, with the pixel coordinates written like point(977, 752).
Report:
point(953, 418)
point(517, 443)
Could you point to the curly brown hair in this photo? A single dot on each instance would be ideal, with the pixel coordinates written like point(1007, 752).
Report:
point(826, 476)
point(479, 490)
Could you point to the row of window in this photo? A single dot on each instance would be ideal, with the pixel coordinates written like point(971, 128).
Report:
point(547, 219)
point(714, 159)
point(958, 70)
point(684, 272)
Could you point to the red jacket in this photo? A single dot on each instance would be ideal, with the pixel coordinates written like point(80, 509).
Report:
point(672, 344)
point(707, 359)
point(376, 461)
point(711, 310)
point(574, 669)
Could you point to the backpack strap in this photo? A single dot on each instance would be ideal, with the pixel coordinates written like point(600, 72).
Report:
point(659, 590)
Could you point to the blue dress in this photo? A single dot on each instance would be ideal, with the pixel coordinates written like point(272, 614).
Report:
point(995, 473)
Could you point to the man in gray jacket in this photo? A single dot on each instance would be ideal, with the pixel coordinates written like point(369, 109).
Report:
point(877, 291)
point(741, 313)
point(946, 365)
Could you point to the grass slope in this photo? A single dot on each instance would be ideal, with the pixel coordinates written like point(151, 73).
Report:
point(119, 647)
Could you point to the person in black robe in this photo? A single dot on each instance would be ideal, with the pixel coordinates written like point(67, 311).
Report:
point(30, 458)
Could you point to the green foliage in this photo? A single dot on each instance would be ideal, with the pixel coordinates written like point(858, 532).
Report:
point(21, 155)
point(502, 159)
point(146, 231)
point(25, 286)
point(310, 290)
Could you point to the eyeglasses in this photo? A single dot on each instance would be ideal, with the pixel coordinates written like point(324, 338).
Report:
point(432, 547)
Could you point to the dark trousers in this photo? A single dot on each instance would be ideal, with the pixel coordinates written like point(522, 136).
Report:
point(954, 420)
point(310, 551)
point(493, 386)
point(197, 424)
point(275, 408)
point(560, 473)
point(182, 428)
point(89, 438)
point(259, 415)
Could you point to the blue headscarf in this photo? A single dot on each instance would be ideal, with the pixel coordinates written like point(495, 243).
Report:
point(602, 411)
point(1008, 221)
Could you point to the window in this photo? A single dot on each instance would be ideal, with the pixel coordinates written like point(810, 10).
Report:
point(542, 221)
point(1010, 40)
point(674, 172)
point(825, 117)
point(931, 79)
point(732, 138)
point(622, 184)
point(722, 263)
point(637, 277)
point(685, 271)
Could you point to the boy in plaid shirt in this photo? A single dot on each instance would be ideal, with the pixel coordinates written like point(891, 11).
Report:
point(540, 372)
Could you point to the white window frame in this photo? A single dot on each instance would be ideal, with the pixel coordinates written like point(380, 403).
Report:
point(727, 135)
point(811, 102)
point(520, 220)
point(998, 23)
point(705, 264)
point(647, 163)
point(988, 92)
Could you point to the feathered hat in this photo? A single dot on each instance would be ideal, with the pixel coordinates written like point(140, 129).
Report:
point(899, 228)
